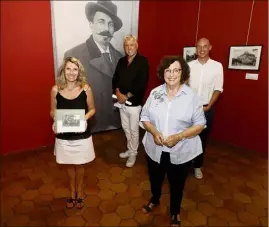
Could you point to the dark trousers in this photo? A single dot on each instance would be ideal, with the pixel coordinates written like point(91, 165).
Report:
point(176, 175)
point(204, 135)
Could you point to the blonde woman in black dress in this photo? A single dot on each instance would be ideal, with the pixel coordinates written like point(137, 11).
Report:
point(73, 149)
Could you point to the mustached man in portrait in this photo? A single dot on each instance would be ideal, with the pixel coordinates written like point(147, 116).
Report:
point(100, 58)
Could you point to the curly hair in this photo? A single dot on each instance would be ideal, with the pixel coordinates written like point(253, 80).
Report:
point(167, 61)
point(81, 79)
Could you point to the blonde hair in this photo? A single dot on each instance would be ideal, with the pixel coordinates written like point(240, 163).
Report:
point(81, 79)
point(129, 37)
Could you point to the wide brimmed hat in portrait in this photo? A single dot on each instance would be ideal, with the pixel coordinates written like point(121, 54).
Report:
point(106, 7)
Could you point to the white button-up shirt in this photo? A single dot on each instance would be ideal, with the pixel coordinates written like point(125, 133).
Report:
point(172, 117)
point(206, 78)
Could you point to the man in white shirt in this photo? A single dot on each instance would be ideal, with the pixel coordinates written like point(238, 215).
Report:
point(206, 78)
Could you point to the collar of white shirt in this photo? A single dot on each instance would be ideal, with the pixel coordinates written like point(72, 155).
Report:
point(184, 89)
point(101, 49)
point(104, 51)
point(207, 62)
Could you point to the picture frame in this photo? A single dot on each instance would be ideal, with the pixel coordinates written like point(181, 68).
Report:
point(70, 120)
point(189, 53)
point(245, 57)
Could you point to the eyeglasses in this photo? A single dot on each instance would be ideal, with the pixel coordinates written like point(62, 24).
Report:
point(174, 71)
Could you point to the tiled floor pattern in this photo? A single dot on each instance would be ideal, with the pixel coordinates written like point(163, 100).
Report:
point(234, 191)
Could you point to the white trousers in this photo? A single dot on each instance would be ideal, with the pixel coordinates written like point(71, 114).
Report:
point(130, 123)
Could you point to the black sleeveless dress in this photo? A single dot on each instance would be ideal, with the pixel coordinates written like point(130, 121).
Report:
point(74, 148)
point(79, 102)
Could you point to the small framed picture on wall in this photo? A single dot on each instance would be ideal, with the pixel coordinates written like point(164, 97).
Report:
point(189, 53)
point(245, 57)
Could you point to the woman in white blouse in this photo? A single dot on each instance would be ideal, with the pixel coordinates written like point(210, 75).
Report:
point(173, 117)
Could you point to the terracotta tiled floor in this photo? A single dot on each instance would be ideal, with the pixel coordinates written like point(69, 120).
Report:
point(33, 190)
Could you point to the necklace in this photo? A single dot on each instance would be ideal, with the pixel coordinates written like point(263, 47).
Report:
point(72, 88)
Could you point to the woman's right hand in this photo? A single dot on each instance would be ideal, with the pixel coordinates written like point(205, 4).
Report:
point(158, 139)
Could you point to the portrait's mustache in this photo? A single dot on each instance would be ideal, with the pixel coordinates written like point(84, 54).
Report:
point(105, 33)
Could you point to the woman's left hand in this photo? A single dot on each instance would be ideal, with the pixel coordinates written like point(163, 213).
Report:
point(86, 125)
point(171, 140)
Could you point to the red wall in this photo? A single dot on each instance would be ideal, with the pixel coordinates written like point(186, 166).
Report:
point(242, 112)
point(165, 27)
point(27, 75)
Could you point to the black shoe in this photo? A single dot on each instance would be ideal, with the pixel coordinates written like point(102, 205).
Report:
point(174, 221)
point(147, 209)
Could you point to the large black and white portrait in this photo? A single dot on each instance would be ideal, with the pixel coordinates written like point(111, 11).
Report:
point(189, 53)
point(245, 57)
point(93, 32)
